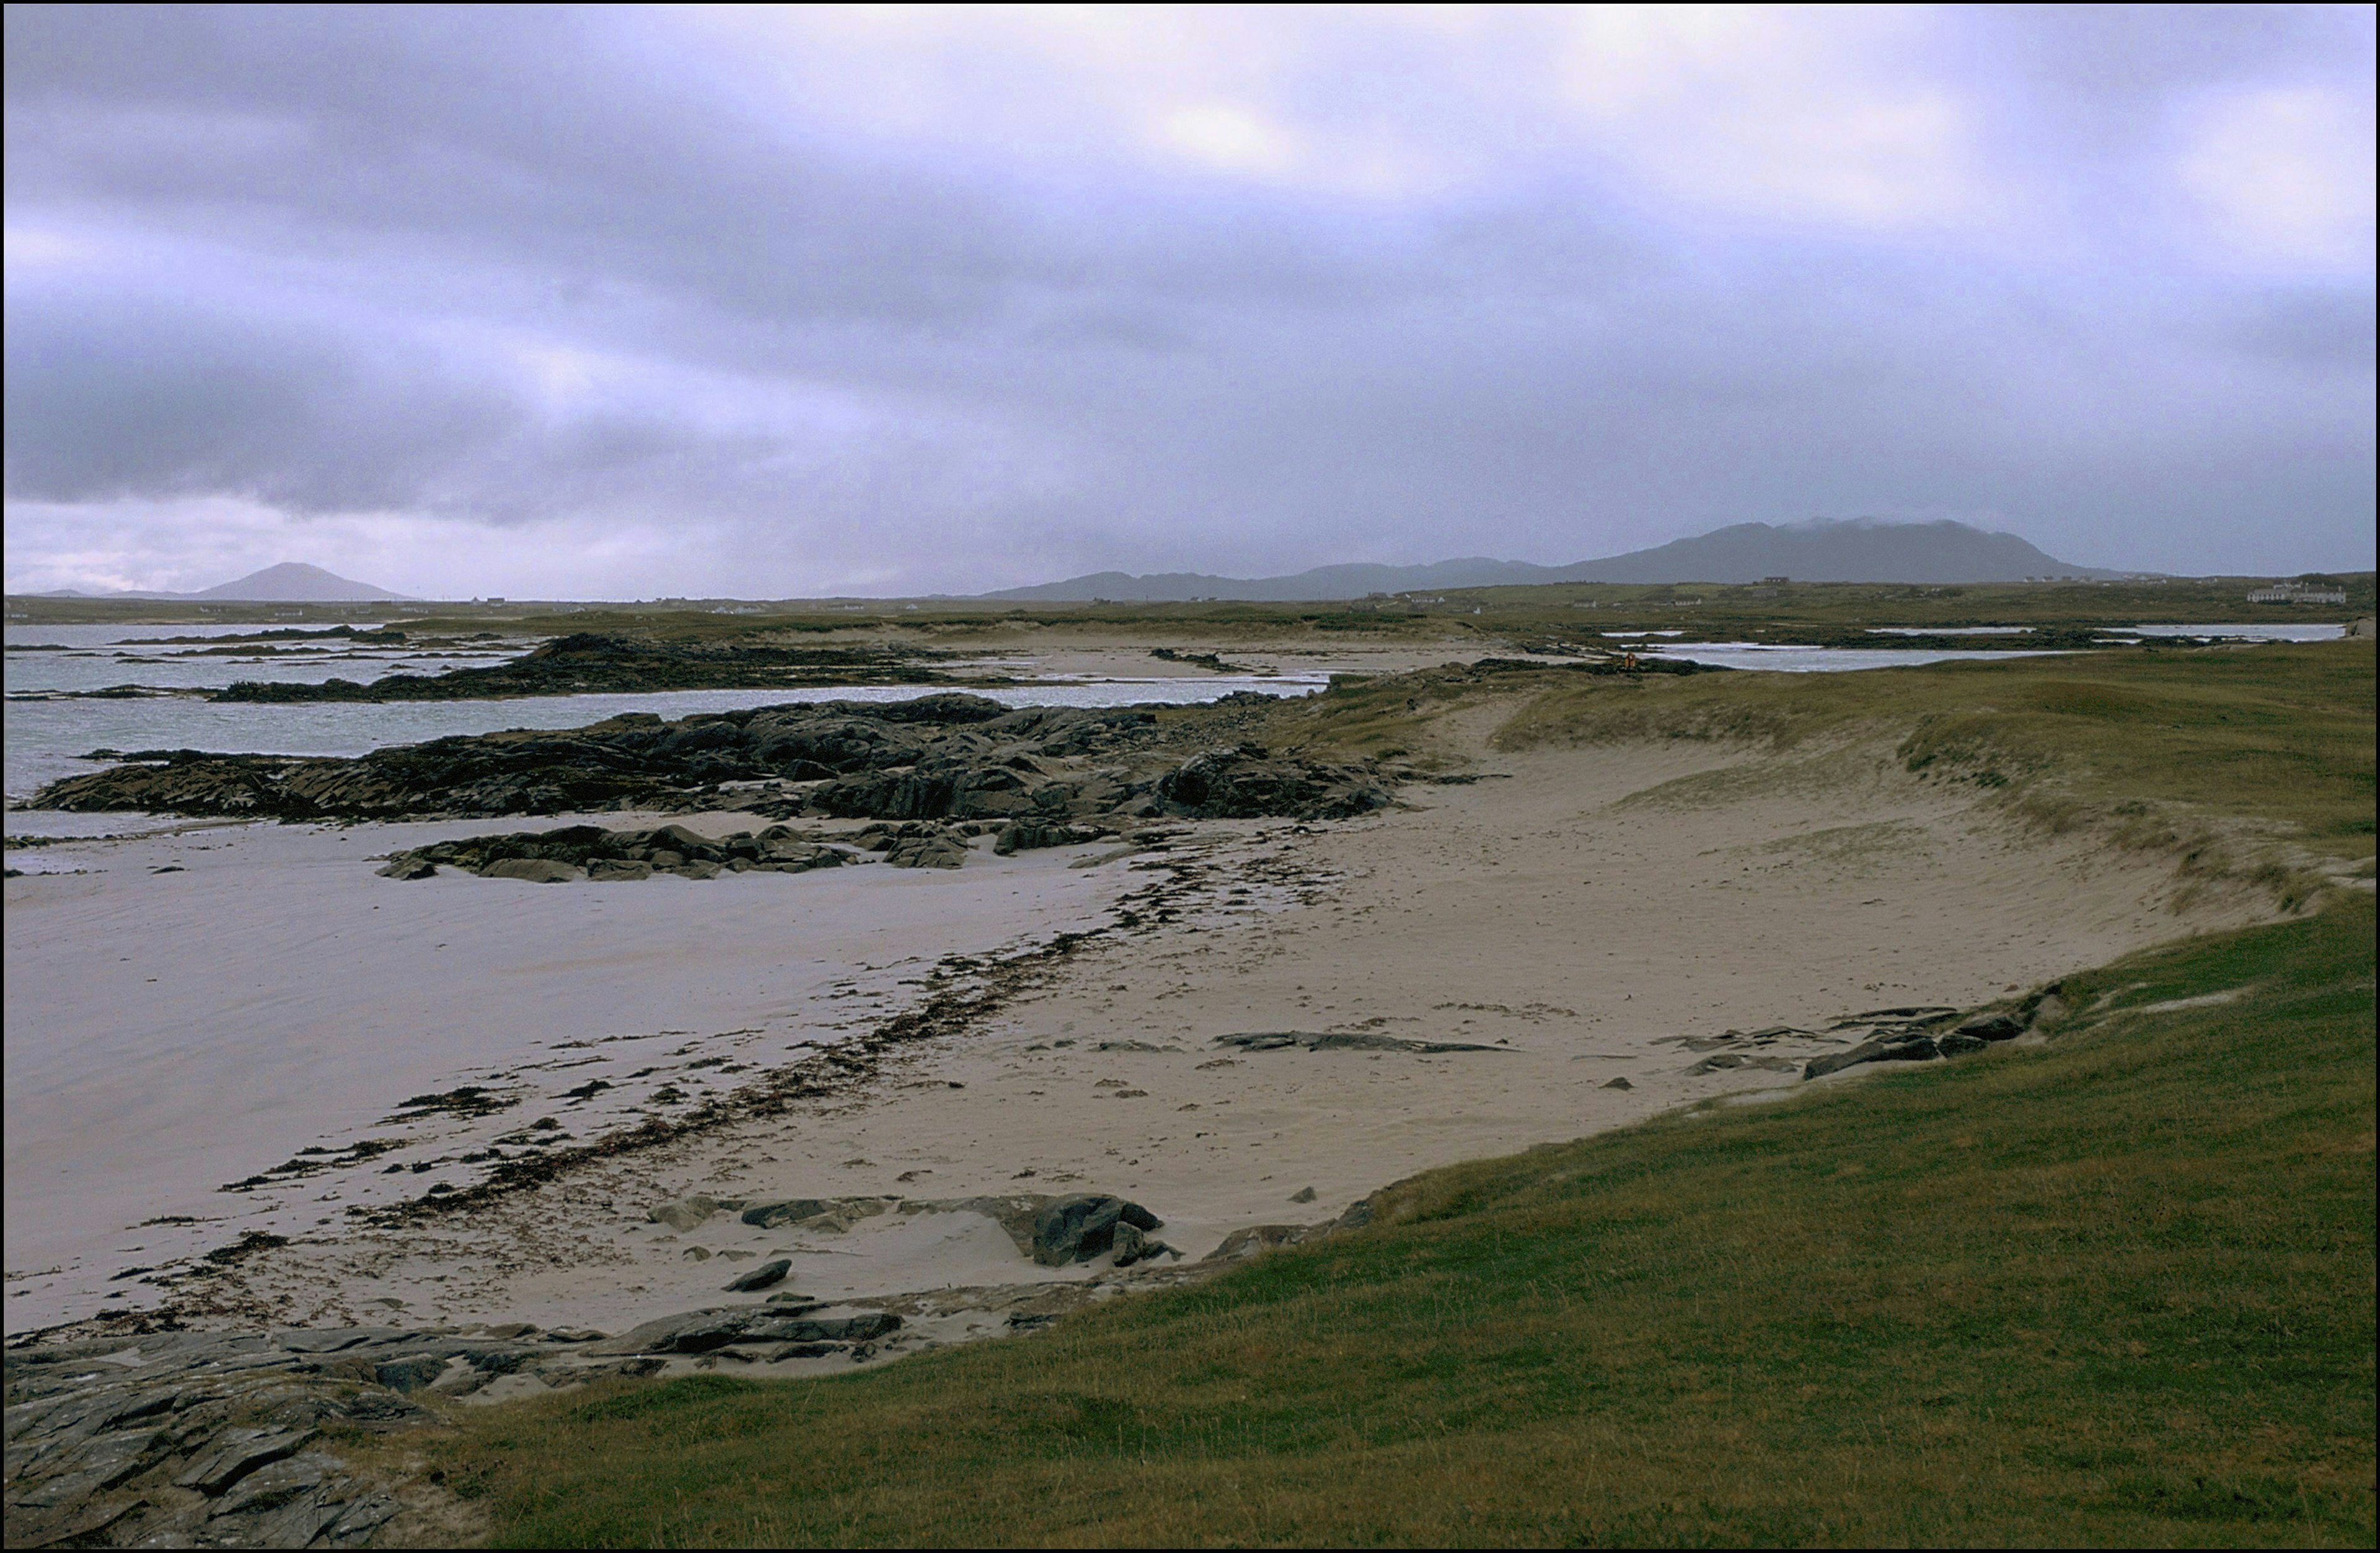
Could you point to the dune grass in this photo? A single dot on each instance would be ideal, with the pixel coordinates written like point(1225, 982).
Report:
point(2255, 762)
point(2116, 1289)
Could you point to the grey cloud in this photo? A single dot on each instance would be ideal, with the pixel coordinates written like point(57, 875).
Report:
point(328, 229)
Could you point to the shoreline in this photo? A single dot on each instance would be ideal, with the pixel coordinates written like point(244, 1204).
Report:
point(997, 1082)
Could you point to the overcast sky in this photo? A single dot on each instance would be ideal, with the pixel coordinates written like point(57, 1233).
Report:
point(623, 303)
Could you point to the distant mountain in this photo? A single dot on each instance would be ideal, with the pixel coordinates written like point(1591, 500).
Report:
point(1859, 551)
point(296, 582)
point(1856, 550)
point(291, 582)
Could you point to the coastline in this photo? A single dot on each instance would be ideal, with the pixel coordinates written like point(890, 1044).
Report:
point(1590, 913)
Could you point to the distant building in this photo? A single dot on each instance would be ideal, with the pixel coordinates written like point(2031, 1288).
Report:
point(2298, 593)
point(1774, 582)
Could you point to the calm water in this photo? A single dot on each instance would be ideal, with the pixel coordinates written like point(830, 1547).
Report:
point(1816, 660)
point(2306, 633)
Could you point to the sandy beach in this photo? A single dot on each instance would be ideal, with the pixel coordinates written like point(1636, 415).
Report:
point(1596, 922)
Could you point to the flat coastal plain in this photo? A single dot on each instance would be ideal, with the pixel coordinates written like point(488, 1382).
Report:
point(1591, 935)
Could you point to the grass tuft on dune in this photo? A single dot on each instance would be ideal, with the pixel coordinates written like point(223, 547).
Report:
point(2115, 1289)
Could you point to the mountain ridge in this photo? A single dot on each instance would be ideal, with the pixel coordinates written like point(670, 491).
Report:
point(1854, 549)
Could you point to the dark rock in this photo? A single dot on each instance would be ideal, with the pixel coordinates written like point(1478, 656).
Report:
point(533, 870)
point(358, 1518)
point(1274, 1040)
point(1078, 1228)
point(1896, 1048)
point(1132, 1246)
point(589, 661)
point(1741, 1060)
point(939, 759)
point(1256, 1238)
point(793, 1210)
point(1992, 1027)
point(277, 1484)
point(804, 1351)
point(1246, 783)
point(766, 1275)
point(237, 1452)
point(79, 1469)
point(1022, 835)
point(408, 1374)
point(1619, 1084)
point(768, 1328)
point(1303, 1194)
point(702, 1336)
point(408, 867)
point(1958, 1044)
point(941, 850)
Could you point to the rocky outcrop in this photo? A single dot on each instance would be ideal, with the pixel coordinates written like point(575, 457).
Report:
point(589, 661)
point(1246, 780)
point(1043, 776)
point(1909, 1047)
point(591, 852)
point(1029, 835)
point(214, 1438)
point(1082, 1227)
point(916, 846)
point(934, 758)
point(706, 1331)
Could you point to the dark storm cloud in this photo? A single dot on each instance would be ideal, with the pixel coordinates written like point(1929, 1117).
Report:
point(779, 304)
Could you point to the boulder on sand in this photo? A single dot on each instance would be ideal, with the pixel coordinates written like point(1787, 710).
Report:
point(940, 850)
point(766, 1275)
point(1078, 1228)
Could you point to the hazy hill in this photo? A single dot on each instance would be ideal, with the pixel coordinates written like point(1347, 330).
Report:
point(291, 582)
point(296, 582)
point(1857, 551)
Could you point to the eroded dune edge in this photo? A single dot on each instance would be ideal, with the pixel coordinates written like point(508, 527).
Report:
point(1558, 908)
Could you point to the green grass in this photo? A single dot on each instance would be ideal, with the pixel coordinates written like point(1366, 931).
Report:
point(2118, 1289)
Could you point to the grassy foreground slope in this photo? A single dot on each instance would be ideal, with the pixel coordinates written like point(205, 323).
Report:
point(2118, 1288)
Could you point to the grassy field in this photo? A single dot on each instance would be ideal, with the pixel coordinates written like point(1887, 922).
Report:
point(1576, 613)
point(2118, 1288)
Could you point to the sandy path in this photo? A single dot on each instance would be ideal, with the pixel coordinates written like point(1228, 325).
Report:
point(1586, 912)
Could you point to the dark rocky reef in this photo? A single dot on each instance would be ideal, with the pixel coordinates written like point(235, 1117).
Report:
point(576, 852)
point(1039, 772)
point(588, 660)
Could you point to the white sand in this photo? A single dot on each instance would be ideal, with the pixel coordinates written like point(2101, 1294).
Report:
point(1584, 910)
